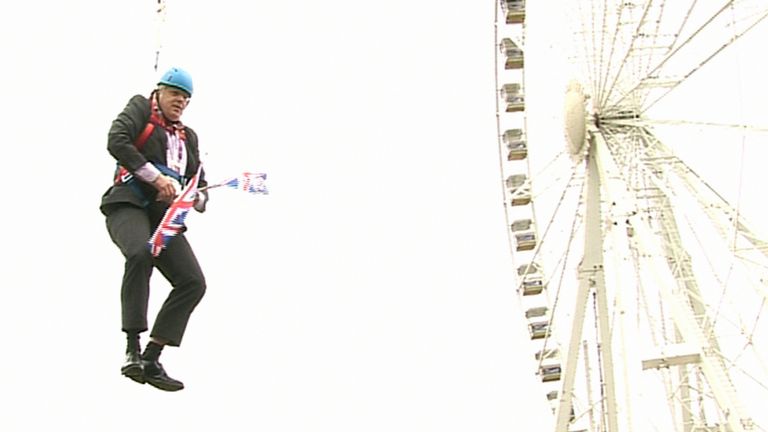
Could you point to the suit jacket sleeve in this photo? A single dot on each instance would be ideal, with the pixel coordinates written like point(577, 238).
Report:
point(124, 131)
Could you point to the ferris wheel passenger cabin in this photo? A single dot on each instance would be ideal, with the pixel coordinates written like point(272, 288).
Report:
point(512, 94)
point(514, 11)
point(515, 142)
point(513, 54)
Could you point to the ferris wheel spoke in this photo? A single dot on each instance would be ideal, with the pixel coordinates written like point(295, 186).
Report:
point(681, 57)
point(603, 65)
point(638, 41)
point(735, 366)
point(651, 122)
point(587, 45)
point(651, 13)
point(655, 55)
point(697, 66)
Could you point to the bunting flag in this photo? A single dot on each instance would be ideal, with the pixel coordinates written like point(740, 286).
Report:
point(253, 183)
point(173, 220)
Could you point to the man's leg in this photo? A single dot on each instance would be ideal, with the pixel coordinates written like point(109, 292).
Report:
point(179, 265)
point(128, 227)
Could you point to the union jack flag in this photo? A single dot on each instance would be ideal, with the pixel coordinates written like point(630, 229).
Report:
point(173, 220)
point(248, 182)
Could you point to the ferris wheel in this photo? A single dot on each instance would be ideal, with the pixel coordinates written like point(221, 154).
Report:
point(644, 287)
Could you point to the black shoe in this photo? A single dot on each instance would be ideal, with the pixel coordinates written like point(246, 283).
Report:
point(155, 375)
point(132, 368)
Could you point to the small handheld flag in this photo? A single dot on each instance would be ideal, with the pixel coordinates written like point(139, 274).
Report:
point(173, 220)
point(253, 183)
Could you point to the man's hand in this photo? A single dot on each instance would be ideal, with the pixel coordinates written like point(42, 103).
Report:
point(200, 200)
point(166, 191)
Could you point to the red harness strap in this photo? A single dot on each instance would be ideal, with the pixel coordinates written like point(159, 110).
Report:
point(142, 139)
point(122, 175)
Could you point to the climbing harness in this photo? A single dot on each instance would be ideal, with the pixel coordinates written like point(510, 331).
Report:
point(123, 176)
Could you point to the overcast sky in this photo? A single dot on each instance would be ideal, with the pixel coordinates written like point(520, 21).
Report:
point(372, 290)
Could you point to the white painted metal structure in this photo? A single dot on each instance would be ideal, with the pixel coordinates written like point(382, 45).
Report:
point(644, 288)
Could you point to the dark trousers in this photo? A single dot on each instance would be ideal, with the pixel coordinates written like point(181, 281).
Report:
point(130, 228)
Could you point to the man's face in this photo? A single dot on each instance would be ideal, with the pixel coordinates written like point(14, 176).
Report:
point(172, 102)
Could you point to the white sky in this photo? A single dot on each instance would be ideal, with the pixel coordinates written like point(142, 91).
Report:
point(371, 291)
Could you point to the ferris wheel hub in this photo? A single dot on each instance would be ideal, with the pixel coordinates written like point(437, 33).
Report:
point(575, 117)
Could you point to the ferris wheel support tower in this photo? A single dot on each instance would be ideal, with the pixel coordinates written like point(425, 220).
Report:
point(666, 257)
point(591, 279)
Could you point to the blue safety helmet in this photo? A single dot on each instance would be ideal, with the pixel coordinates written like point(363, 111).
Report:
point(179, 78)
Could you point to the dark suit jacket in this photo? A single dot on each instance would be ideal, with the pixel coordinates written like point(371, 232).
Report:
point(128, 125)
